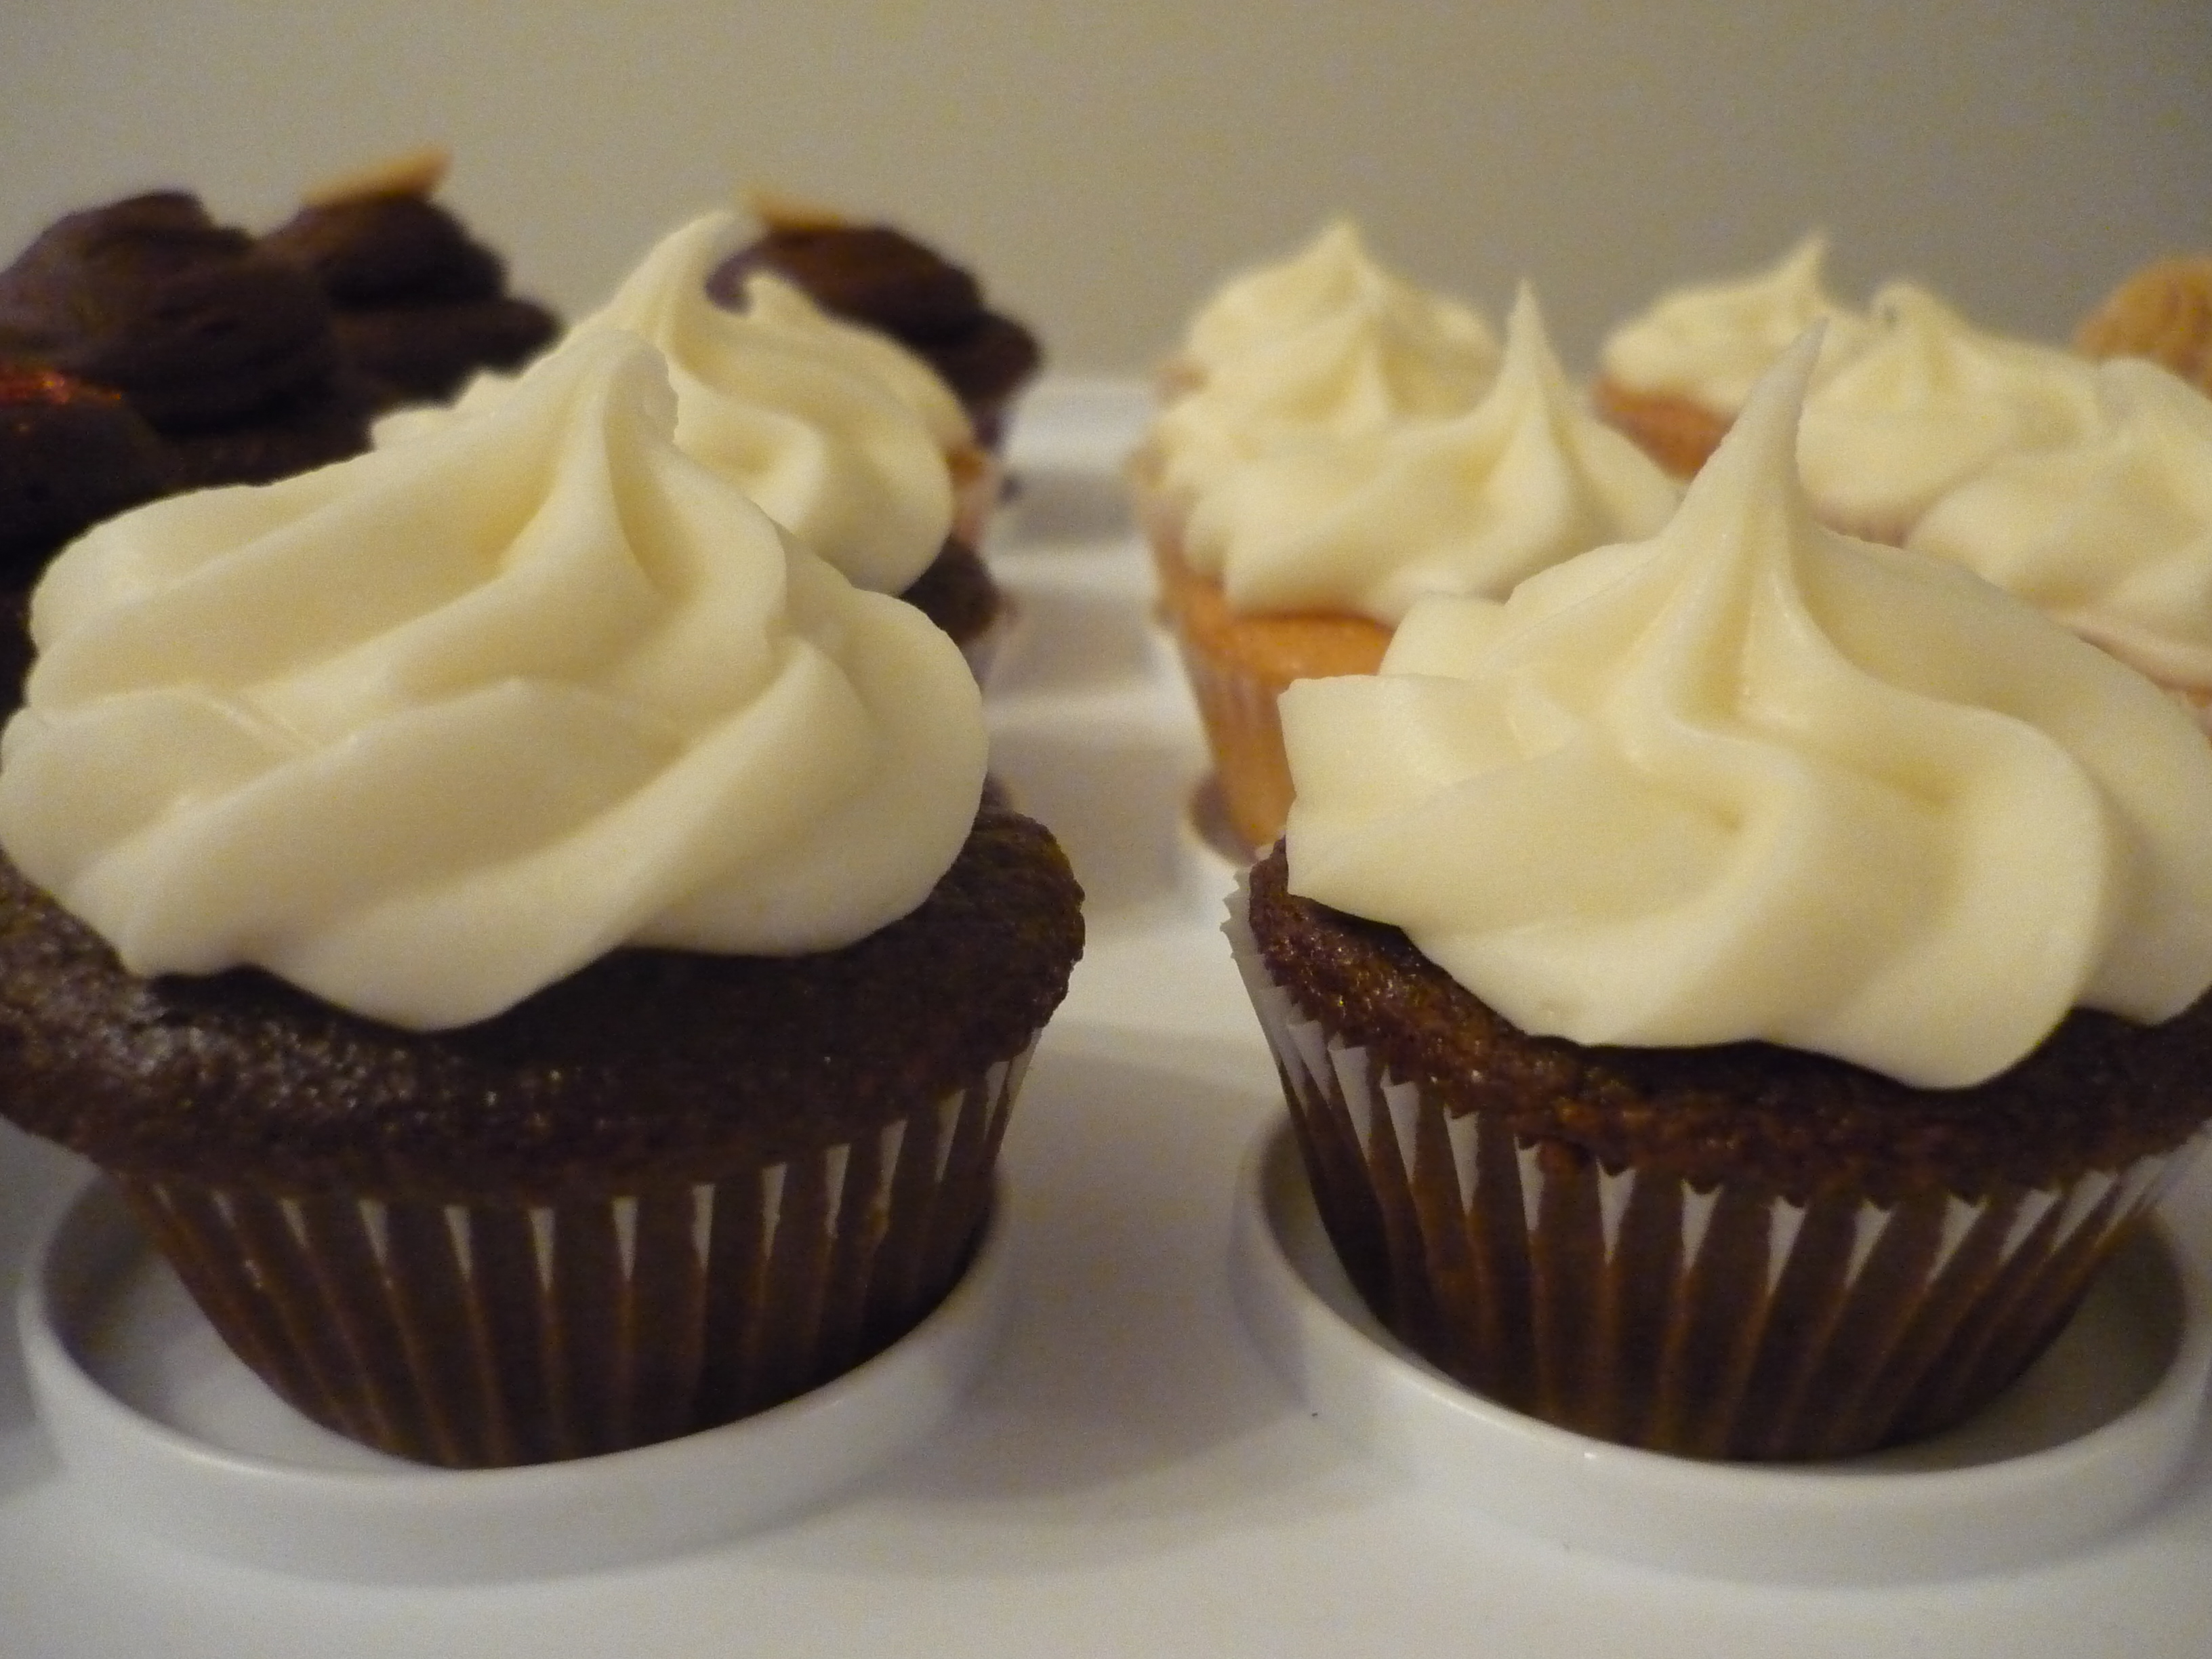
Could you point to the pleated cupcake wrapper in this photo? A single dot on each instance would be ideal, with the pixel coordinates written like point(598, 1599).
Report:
point(1245, 734)
point(1632, 1306)
point(496, 1333)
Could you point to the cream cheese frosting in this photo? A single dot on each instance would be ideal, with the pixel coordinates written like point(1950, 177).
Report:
point(426, 729)
point(2111, 535)
point(1361, 367)
point(798, 416)
point(1711, 341)
point(1927, 402)
point(1334, 273)
point(1752, 779)
point(1467, 503)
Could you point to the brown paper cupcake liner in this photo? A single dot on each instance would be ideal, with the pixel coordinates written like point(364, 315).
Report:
point(1629, 1305)
point(495, 1331)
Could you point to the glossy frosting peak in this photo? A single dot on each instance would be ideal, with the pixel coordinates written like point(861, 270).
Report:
point(1929, 401)
point(1711, 341)
point(1467, 503)
point(1353, 356)
point(2111, 535)
point(1333, 274)
point(1752, 779)
point(791, 414)
point(430, 729)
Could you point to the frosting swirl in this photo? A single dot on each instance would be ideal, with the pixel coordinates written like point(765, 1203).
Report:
point(1468, 503)
point(2111, 535)
point(1333, 274)
point(1927, 402)
point(794, 416)
point(1751, 779)
point(1711, 341)
point(430, 729)
point(1382, 353)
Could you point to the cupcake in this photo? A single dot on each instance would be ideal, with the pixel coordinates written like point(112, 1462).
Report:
point(884, 280)
point(809, 418)
point(2111, 534)
point(525, 935)
point(1298, 563)
point(229, 355)
point(419, 305)
point(2162, 311)
point(1674, 376)
point(1929, 400)
point(1732, 995)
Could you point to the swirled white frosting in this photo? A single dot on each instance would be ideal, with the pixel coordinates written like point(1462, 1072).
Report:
point(1376, 354)
point(1751, 779)
point(781, 307)
point(1926, 403)
point(2111, 535)
point(426, 729)
point(797, 416)
point(1469, 503)
point(1711, 341)
point(1333, 274)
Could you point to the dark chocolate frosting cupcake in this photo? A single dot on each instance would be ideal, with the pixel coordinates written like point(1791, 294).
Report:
point(227, 353)
point(420, 304)
point(881, 276)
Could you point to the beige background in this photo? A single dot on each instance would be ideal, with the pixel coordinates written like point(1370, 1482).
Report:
point(1104, 165)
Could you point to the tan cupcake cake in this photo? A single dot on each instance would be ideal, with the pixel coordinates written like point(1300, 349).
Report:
point(1299, 560)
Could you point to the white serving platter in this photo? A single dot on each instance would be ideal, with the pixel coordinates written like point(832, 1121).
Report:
point(1153, 1428)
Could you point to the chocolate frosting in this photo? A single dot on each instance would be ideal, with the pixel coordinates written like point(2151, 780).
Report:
point(420, 305)
point(149, 297)
point(71, 455)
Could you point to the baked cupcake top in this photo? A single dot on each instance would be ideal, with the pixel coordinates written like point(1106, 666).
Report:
point(1927, 401)
point(1327, 347)
point(1753, 780)
point(2162, 311)
point(1711, 341)
point(2110, 534)
point(1463, 503)
point(308, 727)
point(795, 418)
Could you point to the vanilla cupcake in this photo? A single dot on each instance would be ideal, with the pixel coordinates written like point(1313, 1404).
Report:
point(525, 934)
point(1927, 401)
point(1732, 994)
point(2110, 534)
point(1298, 563)
point(1674, 376)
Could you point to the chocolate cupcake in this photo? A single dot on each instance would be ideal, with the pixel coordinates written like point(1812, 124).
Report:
point(419, 304)
point(882, 277)
point(668, 1089)
point(1732, 995)
point(230, 356)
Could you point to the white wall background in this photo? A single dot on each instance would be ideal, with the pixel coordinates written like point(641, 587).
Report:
point(1104, 163)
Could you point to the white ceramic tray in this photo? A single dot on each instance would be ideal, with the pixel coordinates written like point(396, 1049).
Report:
point(1180, 1438)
